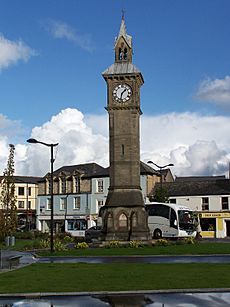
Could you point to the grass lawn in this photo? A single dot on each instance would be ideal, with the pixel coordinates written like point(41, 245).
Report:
point(114, 277)
point(172, 249)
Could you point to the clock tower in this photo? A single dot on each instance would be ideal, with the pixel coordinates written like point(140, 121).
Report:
point(124, 216)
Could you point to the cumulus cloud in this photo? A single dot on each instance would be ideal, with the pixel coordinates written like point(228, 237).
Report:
point(13, 51)
point(216, 91)
point(195, 144)
point(77, 144)
point(61, 30)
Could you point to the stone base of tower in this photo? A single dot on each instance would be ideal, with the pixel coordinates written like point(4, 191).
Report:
point(124, 217)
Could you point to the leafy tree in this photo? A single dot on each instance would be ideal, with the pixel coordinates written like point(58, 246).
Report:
point(8, 209)
point(161, 195)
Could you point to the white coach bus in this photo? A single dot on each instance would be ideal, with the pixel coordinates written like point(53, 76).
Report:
point(170, 220)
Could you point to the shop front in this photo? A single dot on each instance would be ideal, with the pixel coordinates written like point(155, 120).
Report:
point(215, 224)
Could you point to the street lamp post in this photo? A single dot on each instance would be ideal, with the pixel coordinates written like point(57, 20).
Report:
point(160, 168)
point(34, 141)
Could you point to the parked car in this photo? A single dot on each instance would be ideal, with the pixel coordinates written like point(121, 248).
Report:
point(93, 233)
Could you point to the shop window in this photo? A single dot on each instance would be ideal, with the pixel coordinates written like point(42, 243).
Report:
point(208, 224)
point(205, 203)
point(224, 202)
point(79, 224)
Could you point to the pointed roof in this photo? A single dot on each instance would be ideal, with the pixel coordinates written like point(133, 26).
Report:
point(123, 33)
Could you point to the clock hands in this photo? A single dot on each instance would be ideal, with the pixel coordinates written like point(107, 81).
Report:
point(123, 92)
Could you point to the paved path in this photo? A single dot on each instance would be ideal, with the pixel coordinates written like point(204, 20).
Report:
point(138, 259)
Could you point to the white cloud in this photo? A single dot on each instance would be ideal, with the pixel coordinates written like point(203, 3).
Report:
point(77, 144)
point(62, 30)
point(195, 144)
point(13, 51)
point(216, 91)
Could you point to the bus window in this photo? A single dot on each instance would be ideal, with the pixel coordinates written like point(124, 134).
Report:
point(159, 210)
point(173, 219)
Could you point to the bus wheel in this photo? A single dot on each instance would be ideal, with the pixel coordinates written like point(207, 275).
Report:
point(157, 234)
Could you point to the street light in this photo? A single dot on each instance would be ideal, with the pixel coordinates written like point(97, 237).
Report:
point(34, 141)
point(161, 168)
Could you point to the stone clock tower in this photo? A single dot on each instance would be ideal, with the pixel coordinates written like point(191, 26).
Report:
point(124, 216)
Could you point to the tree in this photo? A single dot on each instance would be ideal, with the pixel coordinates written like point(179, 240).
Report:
point(8, 209)
point(161, 195)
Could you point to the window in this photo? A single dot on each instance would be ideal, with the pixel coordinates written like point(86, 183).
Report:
point(172, 200)
point(21, 204)
point(77, 203)
point(29, 204)
point(158, 210)
point(48, 186)
point(100, 203)
point(48, 204)
point(224, 201)
point(21, 190)
point(205, 203)
point(77, 224)
point(77, 184)
point(173, 219)
point(63, 185)
point(29, 191)
point(63, 203)
point(100, 187)
point(208, 224)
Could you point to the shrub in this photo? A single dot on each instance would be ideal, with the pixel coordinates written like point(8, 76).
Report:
point(112, 244)
point(82, 245)
point(135, 244)
point(68, 239)
point(59, 246)
point(45, 243)
point(189, 240)
point(162, 242)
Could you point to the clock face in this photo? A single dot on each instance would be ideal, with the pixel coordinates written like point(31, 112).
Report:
point(122, 93)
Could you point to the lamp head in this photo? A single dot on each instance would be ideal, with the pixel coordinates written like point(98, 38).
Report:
point(32, 141)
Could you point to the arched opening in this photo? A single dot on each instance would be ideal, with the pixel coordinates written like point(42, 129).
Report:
point(125, 54)
point(123, 221)
point(120, 54)
point(110, 221)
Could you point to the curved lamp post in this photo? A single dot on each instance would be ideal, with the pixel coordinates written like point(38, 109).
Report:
point(34, 141)
point(160, 168)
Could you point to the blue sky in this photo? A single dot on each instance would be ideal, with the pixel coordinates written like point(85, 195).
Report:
point(52, 54)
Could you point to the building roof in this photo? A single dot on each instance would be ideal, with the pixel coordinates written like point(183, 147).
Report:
point(197, 188)
point(199, 178)
point(87, 170)
point(121, 68)
point(25, 179)
point(94, 170)
point(146, 169)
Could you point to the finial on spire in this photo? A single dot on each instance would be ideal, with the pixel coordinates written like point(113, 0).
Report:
point(123, 14)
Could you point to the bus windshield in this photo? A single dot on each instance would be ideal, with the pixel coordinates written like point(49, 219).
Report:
point(186, 220)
